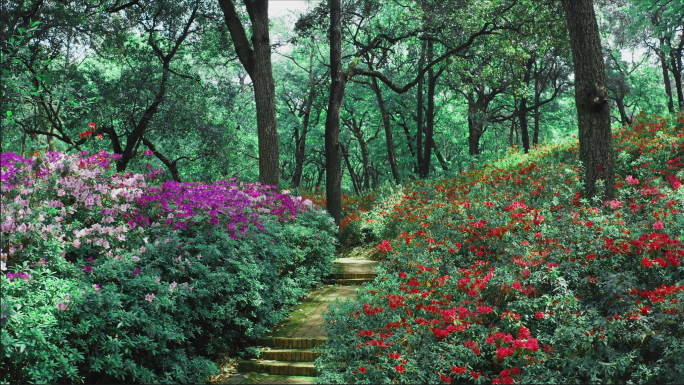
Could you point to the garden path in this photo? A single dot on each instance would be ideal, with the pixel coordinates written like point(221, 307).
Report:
point(286, 353)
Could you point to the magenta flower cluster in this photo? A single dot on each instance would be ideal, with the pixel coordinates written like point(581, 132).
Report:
point(230, 204)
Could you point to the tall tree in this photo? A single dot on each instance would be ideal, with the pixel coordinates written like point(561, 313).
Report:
point(333, 175)
point(591, 97)
point(256, 59)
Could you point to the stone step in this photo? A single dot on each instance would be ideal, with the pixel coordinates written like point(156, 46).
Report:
point(290, 343)
point(302, 355)
point(348, 282)
point(343, 275)
point(282, 368)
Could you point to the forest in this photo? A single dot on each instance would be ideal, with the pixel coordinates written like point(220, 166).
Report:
point(230, 153)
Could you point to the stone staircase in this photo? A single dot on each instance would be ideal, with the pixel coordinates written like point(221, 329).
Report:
point(287, 355)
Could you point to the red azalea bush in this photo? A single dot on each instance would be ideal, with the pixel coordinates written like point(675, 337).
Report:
point(507, 275)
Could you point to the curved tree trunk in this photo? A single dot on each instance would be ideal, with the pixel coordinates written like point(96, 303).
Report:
point(591, 97)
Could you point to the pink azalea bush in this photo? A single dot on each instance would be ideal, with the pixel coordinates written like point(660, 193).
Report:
point(119, 277)
point(507, 275)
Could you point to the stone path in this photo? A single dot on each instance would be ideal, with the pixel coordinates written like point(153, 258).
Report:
point(287, 354)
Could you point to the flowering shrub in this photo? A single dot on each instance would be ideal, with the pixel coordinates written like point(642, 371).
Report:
point(368, 217)
point(107, 278)
point(507, 275)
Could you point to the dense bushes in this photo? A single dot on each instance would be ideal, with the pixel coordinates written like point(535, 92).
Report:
point(110, 280)
point(508, 275)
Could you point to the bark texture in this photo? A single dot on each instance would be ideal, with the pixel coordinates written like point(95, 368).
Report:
point(256, 59)
point(591, 97)
point(333, 175)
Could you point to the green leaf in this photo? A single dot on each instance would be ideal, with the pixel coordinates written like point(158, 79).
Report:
point(9, 113)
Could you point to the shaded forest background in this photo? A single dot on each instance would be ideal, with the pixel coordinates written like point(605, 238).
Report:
point(432, 87)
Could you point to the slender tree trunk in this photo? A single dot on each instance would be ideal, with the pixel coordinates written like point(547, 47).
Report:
point(23, 145)
point(666, 77)
point(477, 109)
point(430, 127)
point(474, 130)
point(333, 181)
point(523, 109)
point(139, 130)
point(419, 112)
point(591, 97)
point(538, 90)
point(513, 118)
point(620, 102)
point(171, 165)
point(388, 131)
point(321, 172)
point(365, 154)
point(522, 117)
point(352, 174)
point(300, 152)
point(407, 132)
point(442, 161)
point(535, 138)
point(676, 63)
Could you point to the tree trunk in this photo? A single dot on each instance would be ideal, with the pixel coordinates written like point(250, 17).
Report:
point(477, 108)
point(442, 161)
point(365, 153)
point(430, 126)
point(388, 130)
point(419, 112)
point(171, 165)
point(620, 102)
point(515, 114)
point(538, 90)
point(535, 138)
point(676, 63)
point(264, 96)
point(591, 98)
point(352, 174)
point(321, 172)
point(300, 152)
point(666, 77)
point(333, 181)
point(132, 139)
point(256, 59)
point(523, 109)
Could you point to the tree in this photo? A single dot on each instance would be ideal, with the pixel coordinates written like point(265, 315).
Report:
point(256, 59)
point(333, 176)
point(591, 98)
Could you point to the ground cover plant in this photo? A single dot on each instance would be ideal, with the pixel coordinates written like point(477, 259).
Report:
point(119, 278)
point(507, 274)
